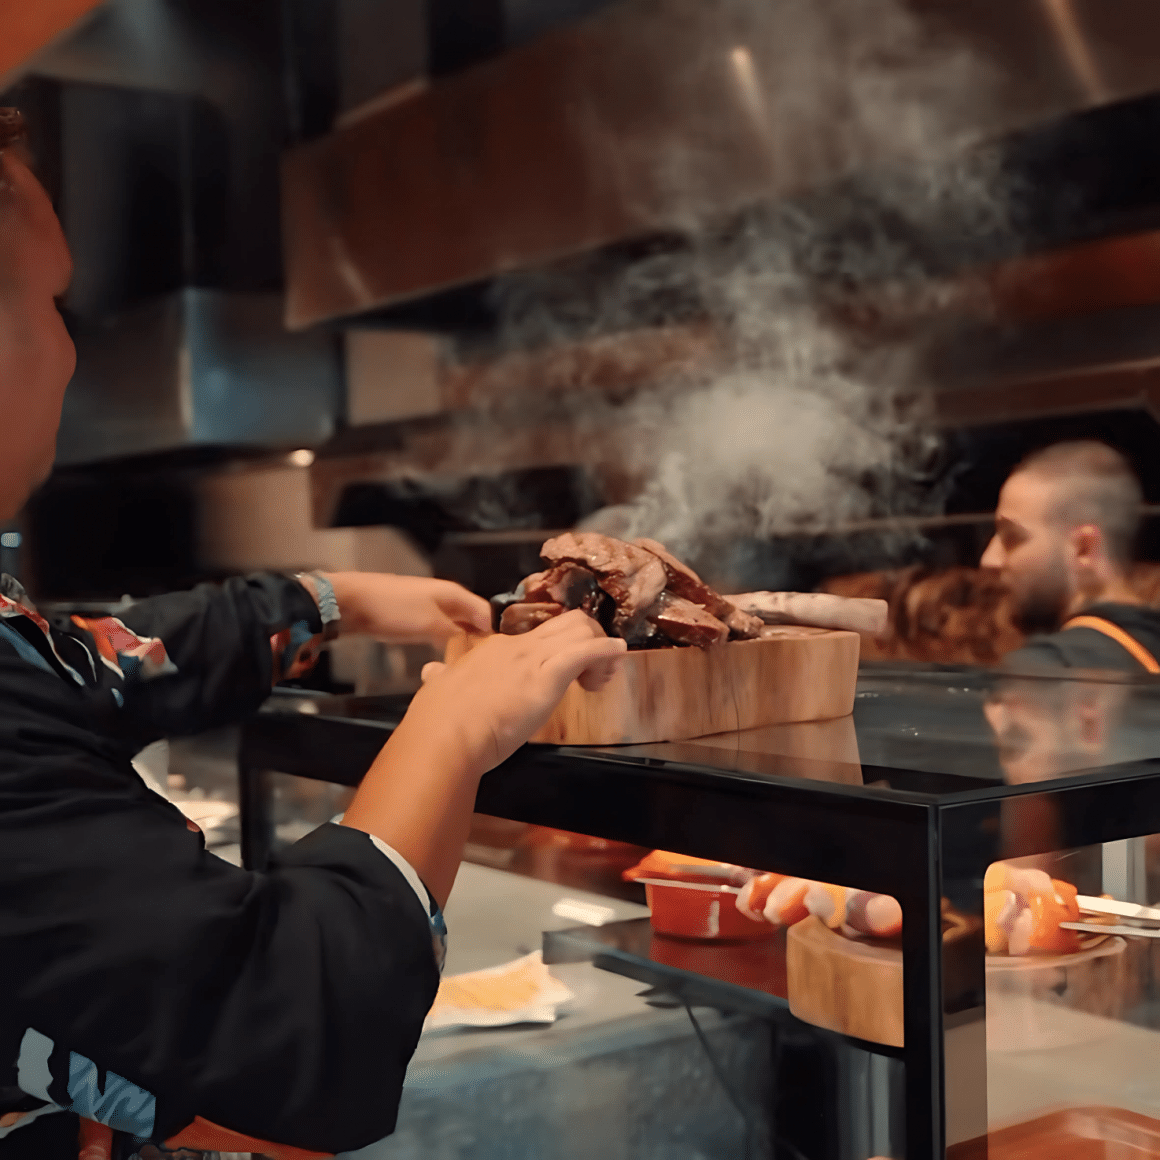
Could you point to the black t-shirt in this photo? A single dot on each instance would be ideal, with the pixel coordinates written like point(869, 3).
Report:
point(144, 981)
point(1087, 648)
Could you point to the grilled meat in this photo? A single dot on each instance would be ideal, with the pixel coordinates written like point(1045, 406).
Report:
point(742, 625)
point(684, 582)
point(632, 576)
point(684, 622)
point(568, 584)
point(500, 603)
point(521, 618)
point(638, 591)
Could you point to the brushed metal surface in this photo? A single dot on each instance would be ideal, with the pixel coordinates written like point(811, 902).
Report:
point(642, 119)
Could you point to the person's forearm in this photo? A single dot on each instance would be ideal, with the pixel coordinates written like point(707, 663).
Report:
point(405, 608)
point(418, 797)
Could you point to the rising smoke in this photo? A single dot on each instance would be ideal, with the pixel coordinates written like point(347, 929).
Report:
point(813, 413)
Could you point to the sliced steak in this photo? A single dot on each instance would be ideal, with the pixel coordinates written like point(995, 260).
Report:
point(499, 603)
point(686, 623)
point(521, 618)
point(633, 577)
point(568, 584)
point(684, 582)
point(533, 582)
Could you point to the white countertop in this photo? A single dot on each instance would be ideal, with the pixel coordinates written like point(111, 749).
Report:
point(1116, 1064)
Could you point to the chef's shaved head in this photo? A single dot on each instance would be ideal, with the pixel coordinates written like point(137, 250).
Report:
point(1092, 484)
point(1064, 532)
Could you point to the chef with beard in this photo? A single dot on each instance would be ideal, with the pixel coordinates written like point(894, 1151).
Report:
point(1065, 530)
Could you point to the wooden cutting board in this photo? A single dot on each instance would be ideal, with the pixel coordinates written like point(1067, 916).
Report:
point(800, 674)
point(855, 985)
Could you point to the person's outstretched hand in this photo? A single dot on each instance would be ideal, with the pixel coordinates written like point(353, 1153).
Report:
point(494, 698)
point(468, 716)
point(407, 608)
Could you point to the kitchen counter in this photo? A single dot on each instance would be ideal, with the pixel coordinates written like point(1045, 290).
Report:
point(1110, 1063)
point(545, 1090)
point(939, 772)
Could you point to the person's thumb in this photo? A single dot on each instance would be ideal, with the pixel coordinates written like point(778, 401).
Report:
point(595, 677)
point(431, 670)
point(572, 662)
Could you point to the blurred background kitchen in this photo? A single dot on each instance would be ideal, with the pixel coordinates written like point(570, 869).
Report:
point(409, 285)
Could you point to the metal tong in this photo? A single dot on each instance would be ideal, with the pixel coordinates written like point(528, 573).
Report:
point(1140, 921)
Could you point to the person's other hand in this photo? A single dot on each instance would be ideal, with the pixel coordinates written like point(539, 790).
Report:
point(407, 608)
point(491, 700)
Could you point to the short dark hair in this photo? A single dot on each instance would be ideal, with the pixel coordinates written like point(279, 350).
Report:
point(1100, 488)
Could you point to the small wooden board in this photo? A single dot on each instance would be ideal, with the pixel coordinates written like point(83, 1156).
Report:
point(672, 694)
point(855, 985)
point(844, 984)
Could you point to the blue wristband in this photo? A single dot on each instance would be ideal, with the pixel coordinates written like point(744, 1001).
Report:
point(328, 608)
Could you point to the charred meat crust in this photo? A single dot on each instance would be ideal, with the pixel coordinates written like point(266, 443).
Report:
point(684, 582)
point(568, 584)
point(499, 604)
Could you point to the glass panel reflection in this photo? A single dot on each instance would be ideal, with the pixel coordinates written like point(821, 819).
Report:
point(1073, 1018)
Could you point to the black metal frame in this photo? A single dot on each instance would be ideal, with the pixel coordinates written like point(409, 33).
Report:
point(894, 841)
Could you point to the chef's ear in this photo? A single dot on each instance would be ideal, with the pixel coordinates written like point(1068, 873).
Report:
point(1087, 542)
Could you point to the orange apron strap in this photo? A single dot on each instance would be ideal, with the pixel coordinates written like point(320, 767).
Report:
point(1126, 641)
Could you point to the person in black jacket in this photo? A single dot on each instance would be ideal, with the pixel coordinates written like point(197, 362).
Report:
point(154, 999)
point(1065, 531)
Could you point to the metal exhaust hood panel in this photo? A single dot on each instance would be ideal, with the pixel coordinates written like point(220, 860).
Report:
point(643, 119)
point(197, 368)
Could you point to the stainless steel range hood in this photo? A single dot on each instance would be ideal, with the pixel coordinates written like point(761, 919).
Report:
point(158, 126)
point(653, 113)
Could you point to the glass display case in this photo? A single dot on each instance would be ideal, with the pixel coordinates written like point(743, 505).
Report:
point(925, 1047)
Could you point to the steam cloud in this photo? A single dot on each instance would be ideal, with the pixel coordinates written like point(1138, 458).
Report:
point(813, 414)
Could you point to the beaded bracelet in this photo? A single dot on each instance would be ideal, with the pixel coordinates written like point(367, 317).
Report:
point(327, 602)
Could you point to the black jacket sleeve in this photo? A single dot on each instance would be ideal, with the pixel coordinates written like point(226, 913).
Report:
point(218, 638)
point(284, 1005)
point(145, 982)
